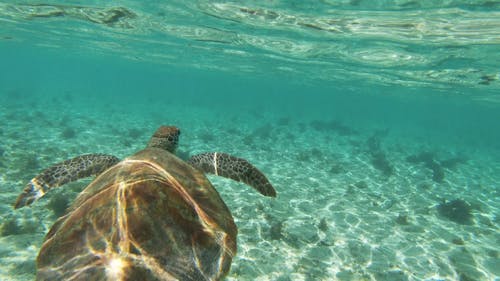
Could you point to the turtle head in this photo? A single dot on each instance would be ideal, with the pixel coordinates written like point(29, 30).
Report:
point(165, 137)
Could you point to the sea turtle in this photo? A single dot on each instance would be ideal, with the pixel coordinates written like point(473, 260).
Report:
point(151, 216)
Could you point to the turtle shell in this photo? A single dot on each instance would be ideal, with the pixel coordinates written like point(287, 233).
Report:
point(150, 217)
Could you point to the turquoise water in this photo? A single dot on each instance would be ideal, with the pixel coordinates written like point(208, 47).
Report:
point(369, 118)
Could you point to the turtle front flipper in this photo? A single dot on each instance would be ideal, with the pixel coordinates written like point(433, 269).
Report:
point(61, 173)
point(225, 165)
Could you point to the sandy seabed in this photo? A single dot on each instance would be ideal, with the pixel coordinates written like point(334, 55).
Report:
point(353, 203)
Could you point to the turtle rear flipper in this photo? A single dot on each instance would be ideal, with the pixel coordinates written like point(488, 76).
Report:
point(228, 166)
point(61, 173)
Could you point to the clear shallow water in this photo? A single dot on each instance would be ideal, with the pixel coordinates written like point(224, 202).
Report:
point(330, 100)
